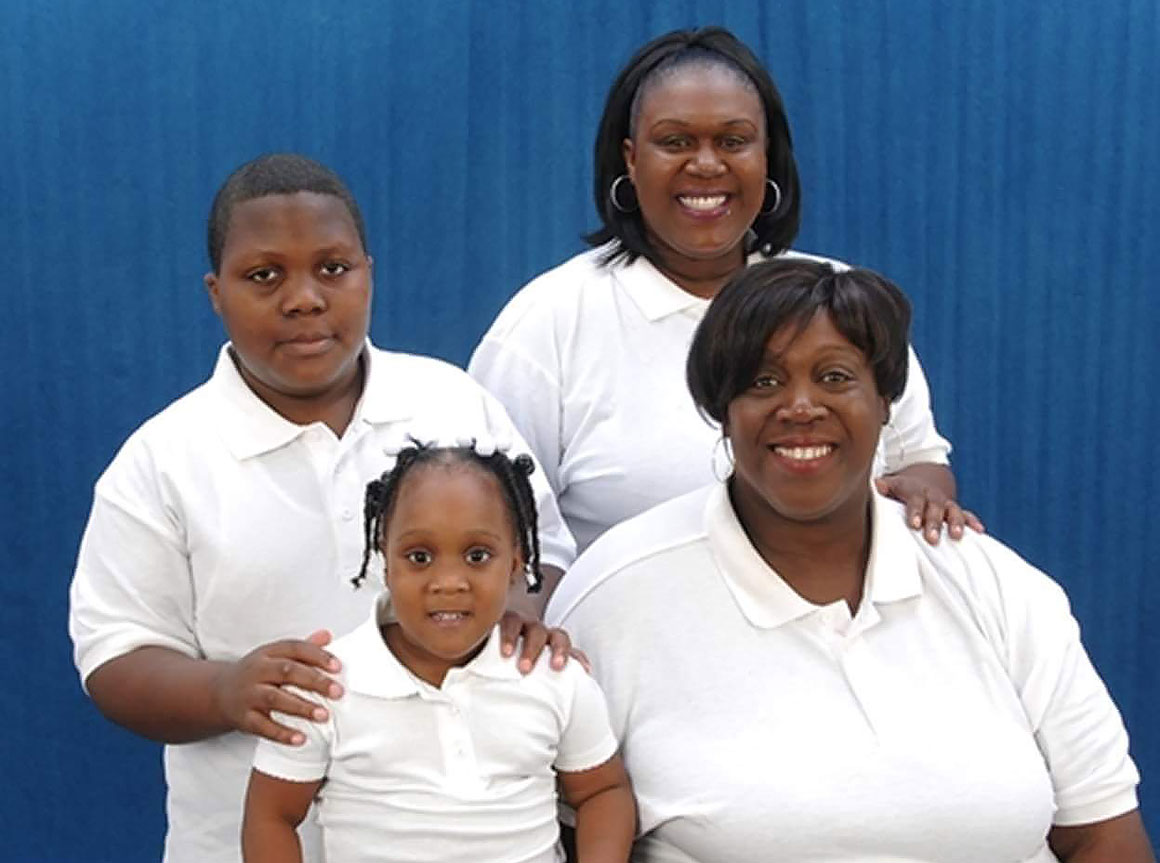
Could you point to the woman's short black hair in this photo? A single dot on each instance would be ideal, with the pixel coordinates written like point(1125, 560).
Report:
point(776, 230)
point(273, 174)
point(729, 345)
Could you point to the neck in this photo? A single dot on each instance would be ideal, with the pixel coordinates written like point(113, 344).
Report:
point(701, 278)
point(823, 560)
point(334, 407)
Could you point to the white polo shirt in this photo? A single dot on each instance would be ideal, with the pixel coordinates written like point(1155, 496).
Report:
point(590, 363)
point(955, 717)
point(464, 772)
point(220, 526)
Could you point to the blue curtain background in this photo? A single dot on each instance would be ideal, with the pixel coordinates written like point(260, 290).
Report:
point(997, 159)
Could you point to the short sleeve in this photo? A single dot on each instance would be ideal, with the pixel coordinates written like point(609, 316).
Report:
point(1075, 722)
point(587, 740)
point(522, 378)
point(558, 548)
point(912, 437)
point(306, 763)
point(132, 586)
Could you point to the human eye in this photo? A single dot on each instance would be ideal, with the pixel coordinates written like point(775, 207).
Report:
point(334, 268)
point(836, 377)
point(418, 556)
point(734, 142)
point(262, 275)
point(765, 381)
point(479, 556)
point(673, 142)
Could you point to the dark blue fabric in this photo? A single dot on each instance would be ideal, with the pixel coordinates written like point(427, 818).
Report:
point(996, 158)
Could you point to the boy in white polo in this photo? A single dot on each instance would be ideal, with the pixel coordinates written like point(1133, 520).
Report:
point(226, 528)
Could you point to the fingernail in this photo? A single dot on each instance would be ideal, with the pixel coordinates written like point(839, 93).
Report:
point(507, 650)
point(319, 714)
point(334, 691)
point(916, 522)
point(298, 739)
point(525, 664)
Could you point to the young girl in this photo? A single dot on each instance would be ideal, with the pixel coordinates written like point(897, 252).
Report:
point(440, 750)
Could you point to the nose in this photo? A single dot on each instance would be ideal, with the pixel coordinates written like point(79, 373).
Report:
point(448, 579)
point(801, 405)
point(303, 296)
point(705, 161)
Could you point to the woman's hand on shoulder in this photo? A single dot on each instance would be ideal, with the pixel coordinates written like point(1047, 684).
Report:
point(246, 691)
point(535, 636)
point(928, 491)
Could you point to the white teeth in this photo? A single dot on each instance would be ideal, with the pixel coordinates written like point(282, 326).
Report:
point(447, 616)
point(702, 202)
point(804, 453)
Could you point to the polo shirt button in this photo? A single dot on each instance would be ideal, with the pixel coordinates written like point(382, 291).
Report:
point(347, 514)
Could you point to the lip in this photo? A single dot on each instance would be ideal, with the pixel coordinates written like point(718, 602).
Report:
point(308, 344)
point(704, 214)
point(461, 616)
point(810, 457)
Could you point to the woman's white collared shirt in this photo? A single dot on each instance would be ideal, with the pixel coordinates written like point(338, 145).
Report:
point(954, 717)
point(589, 362)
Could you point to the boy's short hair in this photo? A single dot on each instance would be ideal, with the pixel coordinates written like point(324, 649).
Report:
point(274, 174)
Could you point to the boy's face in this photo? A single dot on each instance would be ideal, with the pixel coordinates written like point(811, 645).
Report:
point(451, 556)
point(294, 295)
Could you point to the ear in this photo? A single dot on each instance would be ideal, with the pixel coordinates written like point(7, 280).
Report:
point(211, 285)
point(517, 574)
point(628, 150)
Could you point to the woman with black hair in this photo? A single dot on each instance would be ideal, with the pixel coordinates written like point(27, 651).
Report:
point(694, 179)
point(792, 674)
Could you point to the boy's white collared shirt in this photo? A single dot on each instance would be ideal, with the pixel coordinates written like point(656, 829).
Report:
point(221, 526)
point(465, 771)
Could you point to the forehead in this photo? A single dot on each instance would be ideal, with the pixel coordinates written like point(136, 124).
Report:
point(432, 486)
point(701, 92)
point(817, 335)
point(300, 219)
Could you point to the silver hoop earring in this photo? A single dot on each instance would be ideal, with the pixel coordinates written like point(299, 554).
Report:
point(613, 192)
point(722, 448)
point(771, 184)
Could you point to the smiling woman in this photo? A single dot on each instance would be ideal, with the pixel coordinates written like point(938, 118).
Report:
point(694, 179)
point(821, 684)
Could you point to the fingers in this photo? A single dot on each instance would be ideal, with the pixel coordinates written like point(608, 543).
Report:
point(561, 647)
point(510, 626)
point(582, 657)
point(535, 636)
point(974, 522)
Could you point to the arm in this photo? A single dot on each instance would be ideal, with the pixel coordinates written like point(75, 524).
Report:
point(171, 698)
point(522, 621)
point(605, 811)
point(916, 470)
point(274, 809)
point(1121, 839)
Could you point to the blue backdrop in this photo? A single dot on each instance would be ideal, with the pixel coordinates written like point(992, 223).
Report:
point(995, 157)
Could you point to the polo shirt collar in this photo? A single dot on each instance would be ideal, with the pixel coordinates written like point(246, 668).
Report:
point(371, 668)
point(764, 597)
point(656, 295)
point(252, 428)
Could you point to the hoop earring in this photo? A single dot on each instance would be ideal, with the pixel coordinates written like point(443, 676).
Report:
point(771, 184)
point(722, 446)
point(613, 191)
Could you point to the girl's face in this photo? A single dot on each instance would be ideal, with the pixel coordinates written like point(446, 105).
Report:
point(294, 295)
point(451, 555)
point(697, 160)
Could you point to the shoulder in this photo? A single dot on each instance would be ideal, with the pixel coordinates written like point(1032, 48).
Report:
point(552, 293)
point(623, 559)
point(795, 255)
point(420, 378)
